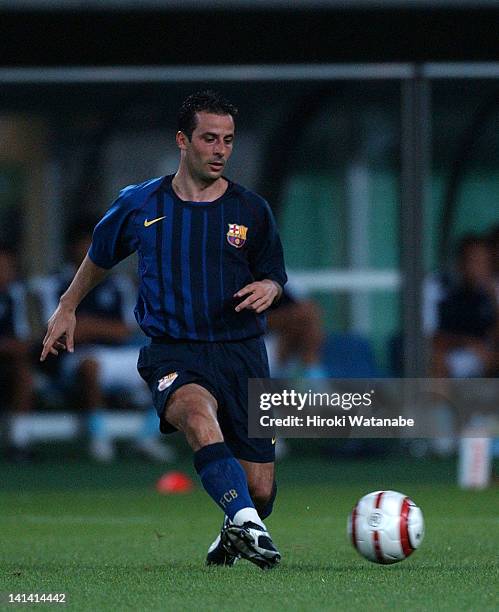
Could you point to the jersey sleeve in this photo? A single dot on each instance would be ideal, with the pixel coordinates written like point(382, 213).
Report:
point(266, 256)
point(114, 237)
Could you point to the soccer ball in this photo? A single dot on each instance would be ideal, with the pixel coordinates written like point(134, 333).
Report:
point(386, 526)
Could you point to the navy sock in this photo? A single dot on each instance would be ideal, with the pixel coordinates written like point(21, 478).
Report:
point(269, 506)
point(223, 478)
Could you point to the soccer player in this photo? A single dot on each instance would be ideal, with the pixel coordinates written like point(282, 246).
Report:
point(210, 264)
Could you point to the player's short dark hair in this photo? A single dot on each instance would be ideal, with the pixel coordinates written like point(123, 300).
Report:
point(207, 101)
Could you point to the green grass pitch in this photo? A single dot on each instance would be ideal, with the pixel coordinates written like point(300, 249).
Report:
point(103, 536)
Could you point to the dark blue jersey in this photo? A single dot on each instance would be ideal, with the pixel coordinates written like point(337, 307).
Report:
point(193, 257)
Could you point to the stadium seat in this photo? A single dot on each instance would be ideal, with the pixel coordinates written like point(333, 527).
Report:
point(349, 355)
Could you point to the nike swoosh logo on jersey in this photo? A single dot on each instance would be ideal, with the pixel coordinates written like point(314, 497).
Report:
point(148, 223)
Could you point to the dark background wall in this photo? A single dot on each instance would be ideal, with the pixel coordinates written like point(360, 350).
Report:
point(96, 37)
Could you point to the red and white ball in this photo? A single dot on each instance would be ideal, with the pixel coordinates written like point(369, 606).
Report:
point(386, 526)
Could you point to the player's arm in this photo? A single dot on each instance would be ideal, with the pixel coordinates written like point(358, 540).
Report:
point(114, 238)
point(267, 266)
point(61, 325)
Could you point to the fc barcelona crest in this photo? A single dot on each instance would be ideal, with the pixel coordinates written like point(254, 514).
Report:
point(236, 235)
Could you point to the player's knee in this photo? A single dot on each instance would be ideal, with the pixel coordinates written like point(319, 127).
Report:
point(196, 419)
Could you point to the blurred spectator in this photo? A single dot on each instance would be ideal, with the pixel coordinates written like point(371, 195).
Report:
point(103, 361)
point(494, 248)
point(463, 344)
point(16, 379)
point(460, 317)
point(294, 342)
point(295, 337)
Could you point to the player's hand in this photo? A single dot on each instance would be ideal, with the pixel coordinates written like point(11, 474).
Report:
point(60, 332)
point(260, 294)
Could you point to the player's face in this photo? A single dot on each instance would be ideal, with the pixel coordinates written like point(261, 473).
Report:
point(210, 146)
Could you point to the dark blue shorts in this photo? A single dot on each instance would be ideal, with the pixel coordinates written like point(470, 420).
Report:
point(223, 368)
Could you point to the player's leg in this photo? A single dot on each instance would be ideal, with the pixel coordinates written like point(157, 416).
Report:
point(262, 488)
point(236, 362)
point(250, 541)
point(253, 542)
point(193, 410)
point(261, 485)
